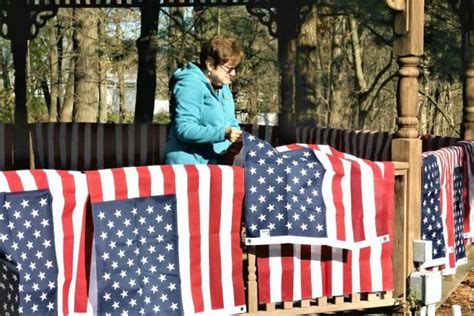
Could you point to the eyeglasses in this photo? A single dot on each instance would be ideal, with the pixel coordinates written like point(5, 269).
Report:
point(228, 70)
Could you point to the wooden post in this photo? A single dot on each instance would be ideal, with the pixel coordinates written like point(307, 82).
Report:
point(286, 18)
point(467, 24)
point(408, 47)
point(252, 287)
point(18, 24)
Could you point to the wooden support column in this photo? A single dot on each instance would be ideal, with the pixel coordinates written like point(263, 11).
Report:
point(408, 47)
point(18, 24)
point(466, 14)
point(287, 20)
point(147, 49)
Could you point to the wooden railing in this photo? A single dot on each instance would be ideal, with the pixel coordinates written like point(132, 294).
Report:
point(354, 301)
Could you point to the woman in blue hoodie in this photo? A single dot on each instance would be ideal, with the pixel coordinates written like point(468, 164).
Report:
point(202, 106)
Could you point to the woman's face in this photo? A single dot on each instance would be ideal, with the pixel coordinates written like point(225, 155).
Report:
point(221, 74)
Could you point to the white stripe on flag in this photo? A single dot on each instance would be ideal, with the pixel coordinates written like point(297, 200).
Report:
point(326, 191)
point(355, 271)
point(316, 272)
point(56, 189)
point(133, 186)
point(297, 272)
point(204, 211)
point(375, 267)
point(181, 180)
point(4, 187)
point(27, 180)
point(108, 186)
point(346, 201)
point(275, 270)
point(368, 200)
point(337, 278)
point(226, 233)
point(157, 181)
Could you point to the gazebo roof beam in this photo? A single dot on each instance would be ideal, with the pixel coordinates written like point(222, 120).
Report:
point(48, 4)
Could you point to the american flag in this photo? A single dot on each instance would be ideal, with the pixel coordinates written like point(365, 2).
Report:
point(312, 196)
point(468, 192)
point(137, 259)
point(293, 272)
point(9, 288)
point(43, 232)
point(431, 219)
point(449, 160)
point(208, 207)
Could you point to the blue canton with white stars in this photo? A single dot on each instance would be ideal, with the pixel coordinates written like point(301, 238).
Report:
point(282, 191)
point(27, 240)
point(137, 256)
point(458, 214)
point(431, 221)
point(9, 294)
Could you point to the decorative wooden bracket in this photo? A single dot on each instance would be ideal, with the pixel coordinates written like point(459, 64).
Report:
point(402, 16)
point(35, 21)
point(266, 16)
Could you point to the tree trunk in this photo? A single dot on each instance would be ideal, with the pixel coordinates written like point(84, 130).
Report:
point(336, 111)
point(175, 33)
point(102, 74)
point(119, 69)
point(54, 63)
point(86, 78)
point(68, 103)
point(147, 49)
point(306, 106)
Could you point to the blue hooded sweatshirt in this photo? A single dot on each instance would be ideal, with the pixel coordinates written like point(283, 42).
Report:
point(200, 114)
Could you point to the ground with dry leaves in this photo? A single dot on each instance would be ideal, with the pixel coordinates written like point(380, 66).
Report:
point(463, 296)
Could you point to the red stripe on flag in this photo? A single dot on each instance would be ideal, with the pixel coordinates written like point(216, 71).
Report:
point(195, 240)
point(215, 259)
point(94, 182)
point(380, 201)
point(83, 270)
point(68, 233)
point(120, 182)
point(144, 181)
point(263, 264)
point(237, 203)
point(356, 202)
point(14, 181)
point(41, 179)
point(306, 290)
point(347, 270)
point(364, 263)
point(288, 270)
point(337, 197)
point(326, 267)
point(169, 179)
point(387, 248)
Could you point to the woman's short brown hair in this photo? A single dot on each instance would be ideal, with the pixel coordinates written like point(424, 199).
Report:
point(219, 50)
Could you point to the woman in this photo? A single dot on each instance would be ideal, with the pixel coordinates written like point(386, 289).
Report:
point(202, 105)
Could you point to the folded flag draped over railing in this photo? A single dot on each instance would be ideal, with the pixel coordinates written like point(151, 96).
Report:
point(443, 213)
point(140, 240)
point(314, 196)
point(42, 233)
point(468, 185)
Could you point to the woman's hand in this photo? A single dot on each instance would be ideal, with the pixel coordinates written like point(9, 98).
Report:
point(232, 133)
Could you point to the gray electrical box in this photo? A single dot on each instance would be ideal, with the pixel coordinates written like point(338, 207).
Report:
point(426, 286)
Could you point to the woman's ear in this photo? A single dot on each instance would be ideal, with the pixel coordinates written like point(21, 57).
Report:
point(209, 65)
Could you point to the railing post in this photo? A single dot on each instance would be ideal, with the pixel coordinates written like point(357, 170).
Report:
point(252, 293)
point(408, 47)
